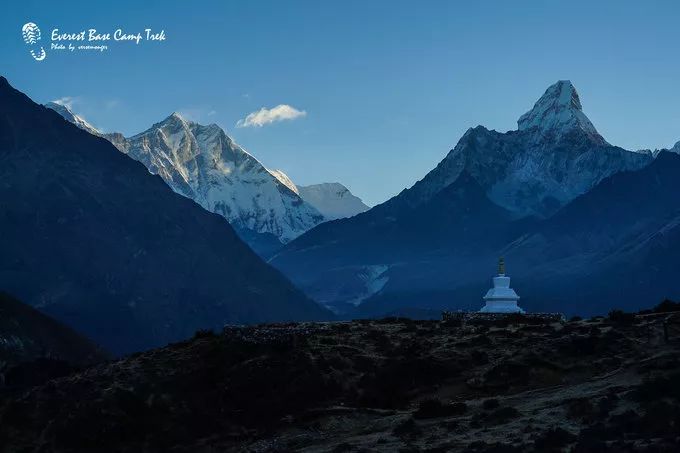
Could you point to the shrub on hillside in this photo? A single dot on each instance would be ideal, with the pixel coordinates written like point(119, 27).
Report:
point(621, 317)
point(204, 333)
point(667, 306)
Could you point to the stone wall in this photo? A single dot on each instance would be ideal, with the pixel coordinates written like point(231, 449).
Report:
point(475, 317)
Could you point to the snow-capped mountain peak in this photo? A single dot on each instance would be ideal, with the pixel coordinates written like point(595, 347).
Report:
point(71, 117)
point(205, 164)
point(676, 148)
point(174, 121)
point(556, 156)
point(558, 113)
point(333, 200)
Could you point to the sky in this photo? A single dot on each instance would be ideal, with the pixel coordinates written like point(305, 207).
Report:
point(372, 94)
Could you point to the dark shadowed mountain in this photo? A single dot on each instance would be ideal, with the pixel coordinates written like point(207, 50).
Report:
point(616, 246)
point(92, 239)
point(435, 244)
point(26, 334)
point(35, 348)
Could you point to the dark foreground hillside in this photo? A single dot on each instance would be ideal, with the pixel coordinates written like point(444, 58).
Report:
point(390, 385)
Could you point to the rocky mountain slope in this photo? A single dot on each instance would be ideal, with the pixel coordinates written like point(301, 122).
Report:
point(425, 244)
point(285, 180)
point(71, 117)
point(513, 385)
point(92, 239)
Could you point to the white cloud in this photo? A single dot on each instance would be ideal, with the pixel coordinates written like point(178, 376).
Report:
point(266, 116)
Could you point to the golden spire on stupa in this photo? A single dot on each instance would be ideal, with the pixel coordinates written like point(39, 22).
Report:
point(501, 266)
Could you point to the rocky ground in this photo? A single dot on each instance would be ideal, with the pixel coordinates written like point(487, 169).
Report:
point(387, 385)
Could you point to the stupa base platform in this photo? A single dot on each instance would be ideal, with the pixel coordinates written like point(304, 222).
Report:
point(476, 317)
point(501, 307)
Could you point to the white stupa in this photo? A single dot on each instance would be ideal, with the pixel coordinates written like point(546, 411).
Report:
point(501, 298)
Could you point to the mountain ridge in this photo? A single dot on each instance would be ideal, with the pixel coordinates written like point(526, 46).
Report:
point(94, 240)
point(531, 173)
point(332, 199)
point(533, 170)
point(203, 163)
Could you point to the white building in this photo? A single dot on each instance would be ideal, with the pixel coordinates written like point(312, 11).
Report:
point(501, 298)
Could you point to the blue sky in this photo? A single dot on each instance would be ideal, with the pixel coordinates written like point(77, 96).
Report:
point(388, 87)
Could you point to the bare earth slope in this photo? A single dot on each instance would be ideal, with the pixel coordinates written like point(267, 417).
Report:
point(390, 385)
